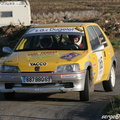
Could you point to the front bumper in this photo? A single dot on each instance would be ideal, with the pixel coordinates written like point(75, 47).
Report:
point(12, 82)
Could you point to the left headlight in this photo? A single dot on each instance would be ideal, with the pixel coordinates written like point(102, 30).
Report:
point(67, 68)
point(9, 69)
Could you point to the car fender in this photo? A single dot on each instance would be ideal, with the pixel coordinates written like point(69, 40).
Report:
point(88, 66)
point(113, 62)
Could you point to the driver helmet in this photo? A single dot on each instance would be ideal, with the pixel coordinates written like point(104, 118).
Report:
point(73, 41)
point(46, 41)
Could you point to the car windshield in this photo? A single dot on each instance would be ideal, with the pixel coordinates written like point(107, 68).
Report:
point(52, 41)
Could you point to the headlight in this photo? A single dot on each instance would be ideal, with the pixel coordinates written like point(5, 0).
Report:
point(67, 68)
point(9, 69)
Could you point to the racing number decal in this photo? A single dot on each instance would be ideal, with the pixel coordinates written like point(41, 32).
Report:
point(100, 65)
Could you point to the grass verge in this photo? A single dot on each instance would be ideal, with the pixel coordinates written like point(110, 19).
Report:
point(115, 44)
point(113, 108)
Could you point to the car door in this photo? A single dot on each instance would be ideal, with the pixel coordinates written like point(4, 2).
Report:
point(106, 52)
point(97, 57)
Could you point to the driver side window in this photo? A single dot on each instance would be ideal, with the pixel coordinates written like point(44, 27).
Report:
point(94, 40)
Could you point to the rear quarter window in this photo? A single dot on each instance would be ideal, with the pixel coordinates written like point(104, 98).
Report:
point(101, 36)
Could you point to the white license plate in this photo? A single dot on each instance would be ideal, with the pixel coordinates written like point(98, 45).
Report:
point(37, 79)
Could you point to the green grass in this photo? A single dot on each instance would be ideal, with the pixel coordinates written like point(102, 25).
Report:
point(113, 107)
point(115, 44)
point(111, 12)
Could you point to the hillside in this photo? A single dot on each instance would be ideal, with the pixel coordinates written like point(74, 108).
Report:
point(57, 9)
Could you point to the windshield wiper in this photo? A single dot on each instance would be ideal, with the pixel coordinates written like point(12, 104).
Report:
point(25, 50)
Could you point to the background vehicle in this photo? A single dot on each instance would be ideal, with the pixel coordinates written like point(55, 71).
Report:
point(15, 13)
point(46, 61)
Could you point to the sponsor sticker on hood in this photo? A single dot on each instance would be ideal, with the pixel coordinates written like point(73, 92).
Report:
point(70, 56)
point(42, 54)
point(38, 64)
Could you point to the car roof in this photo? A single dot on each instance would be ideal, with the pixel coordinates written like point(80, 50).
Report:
point(73, 24)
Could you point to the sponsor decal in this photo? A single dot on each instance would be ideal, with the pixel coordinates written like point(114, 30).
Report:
point(42, 55)
point(100, 65)
point(55, 29)
point(69, 56)
point(38, 64)
point(68, 76)
point(94, 64)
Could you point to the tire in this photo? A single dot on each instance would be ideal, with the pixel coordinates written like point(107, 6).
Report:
point(110, 84)
point(9, 96)
point(85, 94)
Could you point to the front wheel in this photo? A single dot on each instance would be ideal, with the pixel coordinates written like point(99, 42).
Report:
point(88, 88)
point(110, 84)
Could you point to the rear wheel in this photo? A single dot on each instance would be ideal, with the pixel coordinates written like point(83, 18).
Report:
point(110, 84)
point(9, 96)
point(88, 88)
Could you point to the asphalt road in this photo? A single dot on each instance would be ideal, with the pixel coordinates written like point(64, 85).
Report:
point(59, 106)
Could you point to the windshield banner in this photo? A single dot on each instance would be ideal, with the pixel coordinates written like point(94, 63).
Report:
point(54, 29)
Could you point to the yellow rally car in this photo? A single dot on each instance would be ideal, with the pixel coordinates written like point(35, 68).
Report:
point(53, 58)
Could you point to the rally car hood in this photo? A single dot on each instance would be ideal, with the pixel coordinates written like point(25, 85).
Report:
point(46, 60)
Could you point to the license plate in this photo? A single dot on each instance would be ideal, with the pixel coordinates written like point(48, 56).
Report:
point(37, 79)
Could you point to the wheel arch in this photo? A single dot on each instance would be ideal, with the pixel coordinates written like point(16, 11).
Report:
point(109, 84)
point(91, 79)
point(88, 66)
point(113, 63)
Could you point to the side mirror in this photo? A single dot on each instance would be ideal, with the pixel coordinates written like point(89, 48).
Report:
point(7, 50)
point(98, 48)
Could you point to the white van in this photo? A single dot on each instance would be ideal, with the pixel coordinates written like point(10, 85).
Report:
point(15, 12)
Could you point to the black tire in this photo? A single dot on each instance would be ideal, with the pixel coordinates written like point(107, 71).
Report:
point(110, 84)
point(9, 96)
point(85, 94)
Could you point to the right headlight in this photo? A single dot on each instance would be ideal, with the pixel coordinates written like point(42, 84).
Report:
point(67, 68)
point(9, 69)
